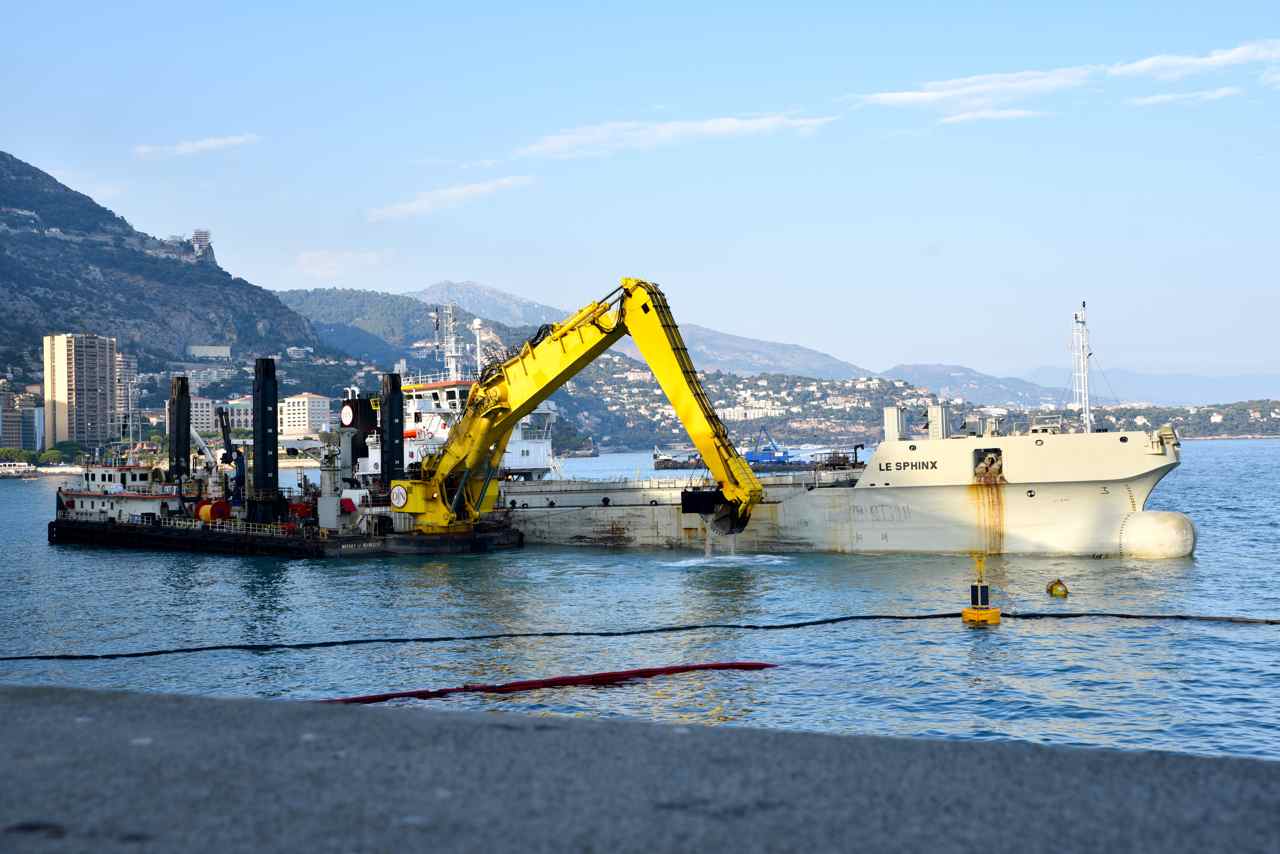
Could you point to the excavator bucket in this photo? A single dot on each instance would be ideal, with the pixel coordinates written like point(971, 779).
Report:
point(722, 515)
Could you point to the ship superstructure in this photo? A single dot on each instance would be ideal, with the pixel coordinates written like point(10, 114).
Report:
point(433, 402)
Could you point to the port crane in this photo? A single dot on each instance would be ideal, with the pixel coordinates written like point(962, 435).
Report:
point(455, 486)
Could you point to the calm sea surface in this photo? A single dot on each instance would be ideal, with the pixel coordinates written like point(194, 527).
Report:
point(1198, 688)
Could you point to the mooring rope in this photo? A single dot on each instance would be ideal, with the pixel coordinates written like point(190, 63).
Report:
point(620, 633)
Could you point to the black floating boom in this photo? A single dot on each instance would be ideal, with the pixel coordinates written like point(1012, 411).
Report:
point(179, 428)
point(391, 411)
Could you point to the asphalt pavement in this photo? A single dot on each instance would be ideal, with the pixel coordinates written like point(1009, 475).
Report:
point(114, 772)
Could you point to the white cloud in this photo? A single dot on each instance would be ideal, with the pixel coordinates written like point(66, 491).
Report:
point(608, 137)
point(1173, 66)
point(983, 91)
point(434, 200)
point(1271, 77)
point(195, 146)
point(986, 115)
point(327, 264)
point(1177, 97)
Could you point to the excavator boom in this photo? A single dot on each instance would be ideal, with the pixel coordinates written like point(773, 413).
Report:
point(456, 485)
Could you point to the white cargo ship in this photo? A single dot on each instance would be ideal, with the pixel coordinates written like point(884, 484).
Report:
point(1039, 490)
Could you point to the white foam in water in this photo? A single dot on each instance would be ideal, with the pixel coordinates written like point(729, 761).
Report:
point(733, 560)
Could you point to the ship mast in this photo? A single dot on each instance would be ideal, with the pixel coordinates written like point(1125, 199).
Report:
point(478, 328)
point(1080, 368)
point(452, 346)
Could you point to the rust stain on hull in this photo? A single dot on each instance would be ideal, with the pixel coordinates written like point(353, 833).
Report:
point(987, 495)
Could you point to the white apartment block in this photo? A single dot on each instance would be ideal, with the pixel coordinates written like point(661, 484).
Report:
point(202, 418)
point(305, 414)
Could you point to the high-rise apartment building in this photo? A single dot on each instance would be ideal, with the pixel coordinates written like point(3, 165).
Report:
point(32, 428)
point(79, 389)
point(200, 240)
point(10, 421)
point(126, 390)
point(126, 383)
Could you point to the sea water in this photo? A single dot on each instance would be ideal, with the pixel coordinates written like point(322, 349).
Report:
point(1191, 687)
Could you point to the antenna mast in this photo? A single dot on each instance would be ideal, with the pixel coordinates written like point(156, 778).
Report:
point(478, 328)
point(452, 346)
point(1080, 367)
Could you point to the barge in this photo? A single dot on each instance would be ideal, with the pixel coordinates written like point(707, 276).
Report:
point(231, 504)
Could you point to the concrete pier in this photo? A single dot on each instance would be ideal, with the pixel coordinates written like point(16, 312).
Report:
point(106, 772)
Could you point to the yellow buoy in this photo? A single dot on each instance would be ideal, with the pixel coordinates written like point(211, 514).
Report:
point(980, 612)
point(1057, 588)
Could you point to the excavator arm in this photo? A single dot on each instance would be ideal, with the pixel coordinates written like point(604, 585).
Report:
point(456, 485)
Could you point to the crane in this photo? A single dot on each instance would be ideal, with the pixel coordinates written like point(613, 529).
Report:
point(231, 455)
point(456, 485)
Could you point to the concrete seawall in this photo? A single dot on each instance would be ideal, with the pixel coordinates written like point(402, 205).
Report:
point(103, 772)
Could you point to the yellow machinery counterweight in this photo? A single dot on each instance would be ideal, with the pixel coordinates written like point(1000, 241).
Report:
point(457, 484)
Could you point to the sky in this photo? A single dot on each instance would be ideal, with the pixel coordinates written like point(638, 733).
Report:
point(889, 183)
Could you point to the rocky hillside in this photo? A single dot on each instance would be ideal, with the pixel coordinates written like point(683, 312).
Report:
point(67, 264)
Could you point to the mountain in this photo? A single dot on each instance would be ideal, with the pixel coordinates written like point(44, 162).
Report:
point(364, 323)
point(490, 303)
point(68, 264)
point(975, 387)
point(354, 341)
point(395, 319)
point(1172, 389)
point(711, 350)
point(735, 354)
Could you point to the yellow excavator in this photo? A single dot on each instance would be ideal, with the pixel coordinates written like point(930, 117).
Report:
point(457, 485)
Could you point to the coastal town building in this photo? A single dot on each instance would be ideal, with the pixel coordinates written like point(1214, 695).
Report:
point(201, 240)
point(240, 412)
point(305, 414)
point(10, 421)
point(127, 389)
point(209, 351)
point(203, 419)
point(79, 389)
point(32, 419)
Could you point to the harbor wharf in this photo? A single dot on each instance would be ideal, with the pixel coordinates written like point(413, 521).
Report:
point(106, 771)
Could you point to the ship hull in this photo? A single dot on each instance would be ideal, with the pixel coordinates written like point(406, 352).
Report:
point(128, 535)
point(1067, 495)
